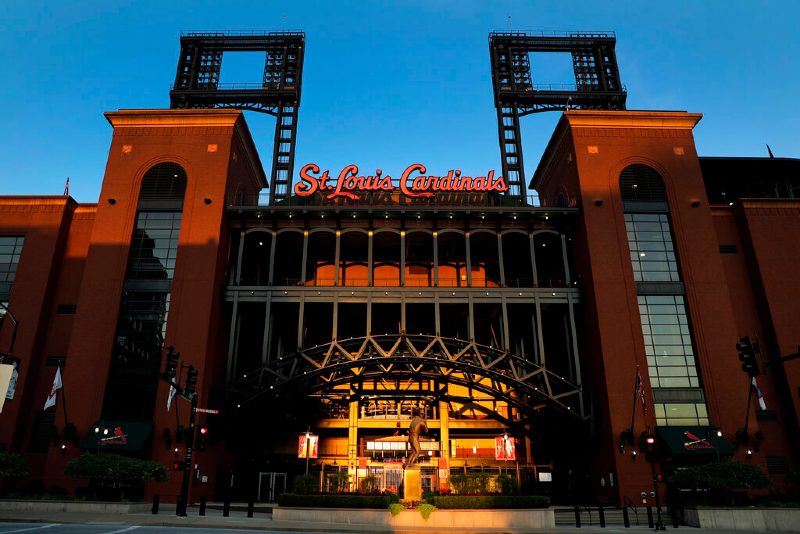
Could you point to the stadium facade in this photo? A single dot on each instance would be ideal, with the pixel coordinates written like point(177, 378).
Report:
point(540, 339)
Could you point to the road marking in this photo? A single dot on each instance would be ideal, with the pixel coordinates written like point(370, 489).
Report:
point(124, 529)
point(32, 528)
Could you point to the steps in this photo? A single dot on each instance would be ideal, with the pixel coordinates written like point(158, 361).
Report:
point(590, 517)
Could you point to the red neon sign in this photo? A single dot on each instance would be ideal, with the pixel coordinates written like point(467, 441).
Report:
point(414, 182)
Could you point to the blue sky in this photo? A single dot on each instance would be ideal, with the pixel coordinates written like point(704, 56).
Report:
point(386, 83)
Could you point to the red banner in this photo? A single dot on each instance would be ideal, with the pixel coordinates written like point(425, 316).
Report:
point(307, 446)
point(505, 448)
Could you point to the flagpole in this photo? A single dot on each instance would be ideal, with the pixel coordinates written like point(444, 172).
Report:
point(64, 399)
point(637, 385)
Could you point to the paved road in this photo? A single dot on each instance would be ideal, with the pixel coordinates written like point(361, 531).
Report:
point(119, 527)
point(114, 528)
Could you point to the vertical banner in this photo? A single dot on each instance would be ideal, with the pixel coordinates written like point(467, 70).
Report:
point(6, 373)
point(12, 384)
point(504, 448)
point(307, 446)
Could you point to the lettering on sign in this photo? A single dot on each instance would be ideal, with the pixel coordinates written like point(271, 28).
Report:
point(413, 183)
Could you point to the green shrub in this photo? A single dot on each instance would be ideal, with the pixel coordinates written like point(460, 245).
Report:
point(460, 483)
point(470, 484)
point(425, 510)
point(720, 483)
point(334, 501)
point(12, 466)
point(508, 484)
point(369, 484)
point(337, 482)
point(115, 468)
point(443, 502)
point(724, 476)
point(304, 484)
point(395, 508)
point(793, 477)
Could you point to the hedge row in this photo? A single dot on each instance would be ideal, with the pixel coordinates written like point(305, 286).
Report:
point(334, 501)
point(490, 501)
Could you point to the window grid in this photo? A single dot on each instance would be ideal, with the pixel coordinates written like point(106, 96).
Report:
point(154, 246)
point(651, 248)
point(667, 342)
point(681, 414)
point(10, 251)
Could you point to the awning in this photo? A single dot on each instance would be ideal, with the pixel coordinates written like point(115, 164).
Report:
point(118, 436)
point(693, 441)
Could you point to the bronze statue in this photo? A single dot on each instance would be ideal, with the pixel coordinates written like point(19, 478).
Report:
point(417, 426)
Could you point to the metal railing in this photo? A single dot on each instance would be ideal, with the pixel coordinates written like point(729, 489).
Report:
point(447, 283)
point(554, 33)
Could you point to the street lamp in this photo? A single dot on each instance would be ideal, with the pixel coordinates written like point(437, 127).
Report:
point(98, 431)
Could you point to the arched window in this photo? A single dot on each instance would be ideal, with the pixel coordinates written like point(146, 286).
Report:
point(640, 183)
point(667, 335)
point(142, 321)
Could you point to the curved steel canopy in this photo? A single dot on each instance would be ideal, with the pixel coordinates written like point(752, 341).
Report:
point(521, 383)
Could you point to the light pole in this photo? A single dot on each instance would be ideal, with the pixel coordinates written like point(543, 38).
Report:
point(308, 444)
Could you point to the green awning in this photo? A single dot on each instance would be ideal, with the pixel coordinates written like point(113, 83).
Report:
point(693, 441)
point(118, 436)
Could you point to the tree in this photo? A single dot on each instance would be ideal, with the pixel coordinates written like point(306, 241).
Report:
point(12, 466)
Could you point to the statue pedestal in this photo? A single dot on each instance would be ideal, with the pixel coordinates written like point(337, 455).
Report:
point(412, 484)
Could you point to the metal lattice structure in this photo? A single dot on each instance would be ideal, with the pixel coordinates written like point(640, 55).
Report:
point(597, 85)
point(197, 85)
point(398, 358)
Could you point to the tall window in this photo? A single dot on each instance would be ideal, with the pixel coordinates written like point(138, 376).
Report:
point(10, 251)
point(671, 364)
point(142, 323)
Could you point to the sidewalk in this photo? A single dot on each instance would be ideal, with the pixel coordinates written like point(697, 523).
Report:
point(263, 521)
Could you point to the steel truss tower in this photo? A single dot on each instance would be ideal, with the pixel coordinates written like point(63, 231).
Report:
point(197, 85)
point(597, 86)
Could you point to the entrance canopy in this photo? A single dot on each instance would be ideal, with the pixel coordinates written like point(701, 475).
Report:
point(693, 441)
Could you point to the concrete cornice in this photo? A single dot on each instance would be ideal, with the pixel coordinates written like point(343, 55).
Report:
point(172, 117)
point(680, 120)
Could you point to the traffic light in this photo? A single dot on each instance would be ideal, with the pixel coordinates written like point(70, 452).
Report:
point(202, 436)
point(747, 355)
point(649, 447)
point(191, 382)
point(178, 465)
point(172, 363)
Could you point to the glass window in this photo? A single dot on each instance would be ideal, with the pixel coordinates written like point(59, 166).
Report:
point(678, 414)
point(650, 243)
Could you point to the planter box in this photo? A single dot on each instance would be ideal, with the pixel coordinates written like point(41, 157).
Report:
point(468, 519)
point(16, 505)
point(747, 519)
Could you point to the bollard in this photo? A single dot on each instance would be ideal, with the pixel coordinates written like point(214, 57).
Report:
point(203, 505)
point(650, 523)
point(226, 507)
point(626, 520)
point(156, 502)
point(675, 518)
point(177, 505)
point(577, 517)
point(602, 515)
point(250, 506)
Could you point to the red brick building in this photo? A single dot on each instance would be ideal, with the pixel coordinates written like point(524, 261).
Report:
point(500, 321)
